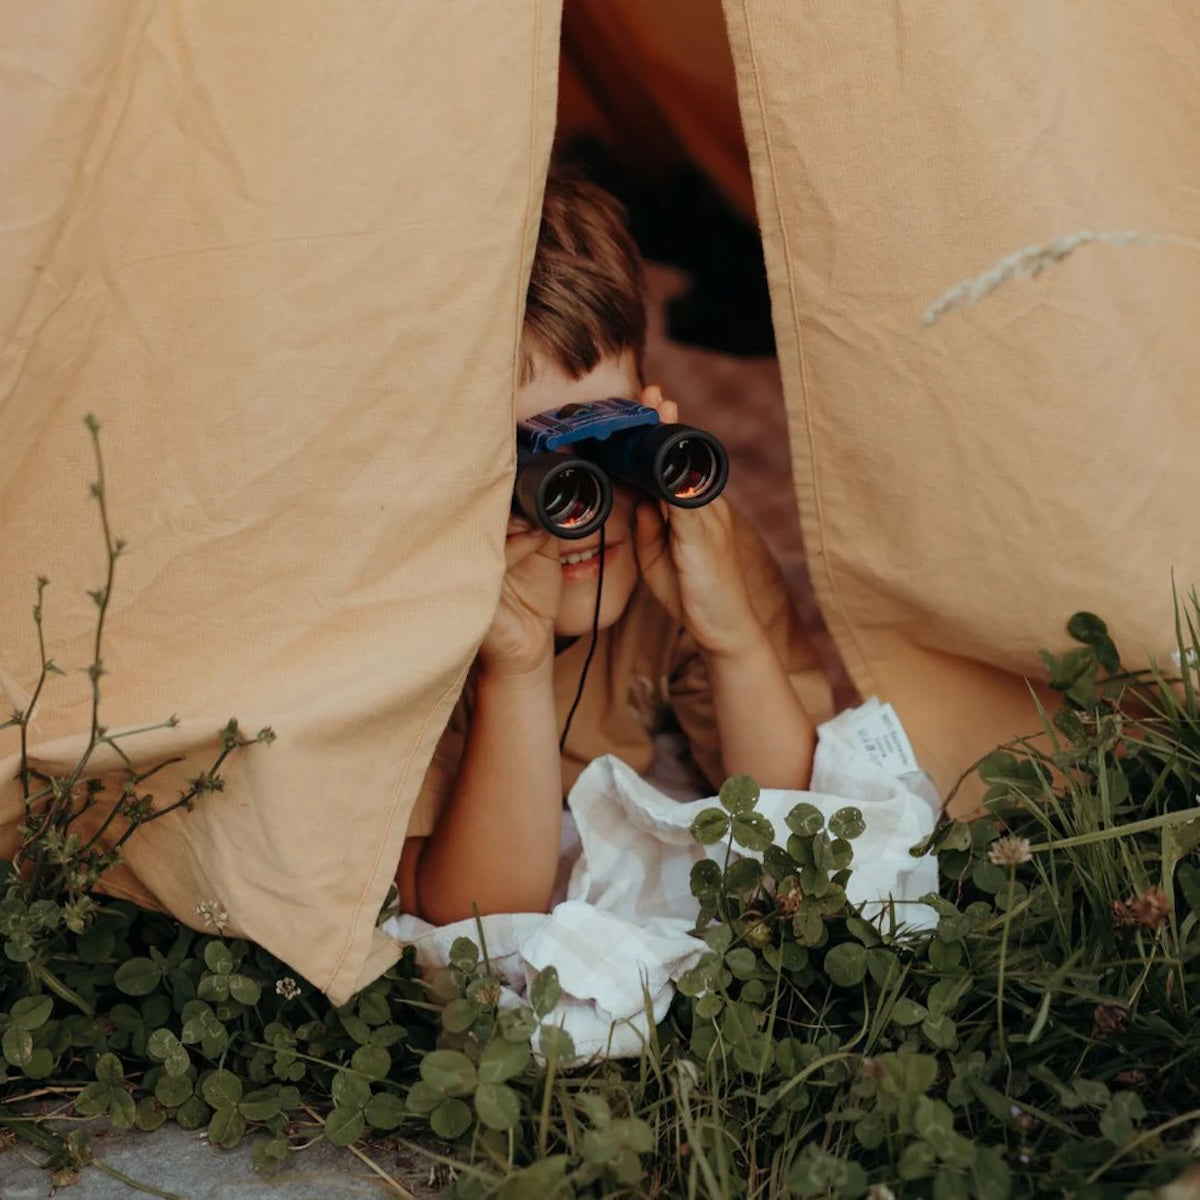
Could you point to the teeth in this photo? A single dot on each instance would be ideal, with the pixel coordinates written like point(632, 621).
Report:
point(583, 556)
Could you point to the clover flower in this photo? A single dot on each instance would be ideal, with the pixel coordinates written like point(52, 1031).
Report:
point(1107, 1019)
point(874, 1069)
point(212, 914)
point(1020, 1118)
point(1193, 1143)
point(287, 987)
point(1009, 851)
point(790, 896)
point(1151, 908)
point(759, 936)
point(880, 1191)
point(488, 995)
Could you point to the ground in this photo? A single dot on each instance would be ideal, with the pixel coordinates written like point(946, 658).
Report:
point(178, 1163)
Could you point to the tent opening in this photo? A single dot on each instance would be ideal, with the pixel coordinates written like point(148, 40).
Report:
point(647, 108)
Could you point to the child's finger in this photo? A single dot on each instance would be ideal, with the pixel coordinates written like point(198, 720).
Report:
point(701, 541)
point(654, 397)
point(650, 534)
point(520, 546)
point(654, 557)
point(651, 543)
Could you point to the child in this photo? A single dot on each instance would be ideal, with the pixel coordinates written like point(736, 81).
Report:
point(694, 617)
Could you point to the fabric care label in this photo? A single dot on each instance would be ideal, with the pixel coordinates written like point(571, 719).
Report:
point(881, 737)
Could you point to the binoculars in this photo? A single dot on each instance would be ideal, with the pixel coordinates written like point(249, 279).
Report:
point(568, 492)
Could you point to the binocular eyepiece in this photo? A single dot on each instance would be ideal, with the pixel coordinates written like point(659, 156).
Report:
point(568, 492)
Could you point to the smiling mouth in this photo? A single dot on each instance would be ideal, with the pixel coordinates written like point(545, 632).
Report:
point(582, 556)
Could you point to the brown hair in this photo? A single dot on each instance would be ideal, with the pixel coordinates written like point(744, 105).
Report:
point(585, 291)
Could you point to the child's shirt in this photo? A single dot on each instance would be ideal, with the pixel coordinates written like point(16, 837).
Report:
point(646, 667)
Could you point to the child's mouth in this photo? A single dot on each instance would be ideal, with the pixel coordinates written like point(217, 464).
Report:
point(585, 564)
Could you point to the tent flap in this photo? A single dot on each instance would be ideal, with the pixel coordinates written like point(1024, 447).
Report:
point(280, 251)
point(965, 488)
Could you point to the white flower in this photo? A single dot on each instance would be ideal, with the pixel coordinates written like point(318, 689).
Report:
point(1193, 1144)
point(287, 987)
point(1009, 852)
point(212, 914)
point(880, 1191)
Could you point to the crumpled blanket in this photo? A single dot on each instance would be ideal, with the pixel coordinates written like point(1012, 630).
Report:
point(619, 933)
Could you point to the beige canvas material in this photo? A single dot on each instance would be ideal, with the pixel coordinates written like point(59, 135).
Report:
point(280, 251)
point(644, 667)
point(964, 489)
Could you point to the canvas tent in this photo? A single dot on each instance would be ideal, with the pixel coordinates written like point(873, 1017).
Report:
point(279, 250)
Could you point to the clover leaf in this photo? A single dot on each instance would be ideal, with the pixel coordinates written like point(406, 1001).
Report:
point(108, 1095)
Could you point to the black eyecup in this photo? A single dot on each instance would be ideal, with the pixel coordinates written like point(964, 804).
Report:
point(589, 493)
point(716, 464)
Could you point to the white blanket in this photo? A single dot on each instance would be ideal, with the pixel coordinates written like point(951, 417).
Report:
point(619, 933)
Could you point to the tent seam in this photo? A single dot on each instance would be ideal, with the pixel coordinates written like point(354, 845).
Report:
point(863, 669)
point(523, 280)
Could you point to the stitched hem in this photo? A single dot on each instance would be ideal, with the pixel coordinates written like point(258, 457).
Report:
point(811, 514)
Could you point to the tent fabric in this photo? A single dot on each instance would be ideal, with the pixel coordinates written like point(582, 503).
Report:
point(280, 251)
point(964, 488)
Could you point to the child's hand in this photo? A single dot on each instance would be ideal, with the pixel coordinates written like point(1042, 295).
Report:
point(521, 636)
point(689, 560)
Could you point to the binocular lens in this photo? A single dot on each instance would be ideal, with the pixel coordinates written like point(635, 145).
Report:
point(568, 497)
point(572, 498)
point(689, 468)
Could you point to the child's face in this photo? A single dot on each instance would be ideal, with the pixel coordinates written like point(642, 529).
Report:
point(550, 387)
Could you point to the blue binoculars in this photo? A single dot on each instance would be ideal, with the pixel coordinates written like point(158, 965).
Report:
point(567, 457)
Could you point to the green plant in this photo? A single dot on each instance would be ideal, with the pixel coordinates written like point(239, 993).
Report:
point(49, 883)
point(58, 936)
point(1038, 1042)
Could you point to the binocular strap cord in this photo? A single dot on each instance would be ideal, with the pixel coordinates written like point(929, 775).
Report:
point(587, 662)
